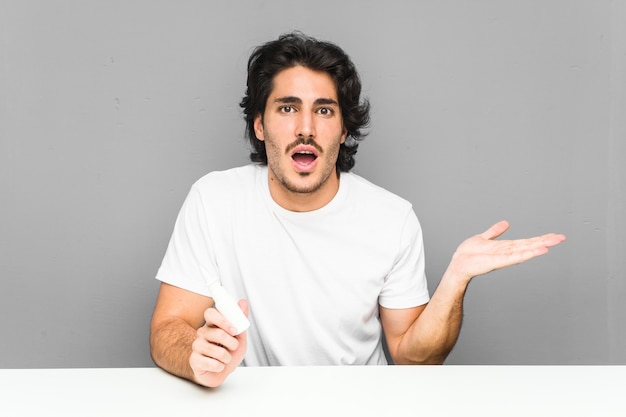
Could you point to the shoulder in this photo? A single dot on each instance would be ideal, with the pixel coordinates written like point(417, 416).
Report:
point(226, 190)
point(387, 216)
point(375, 196)
point(225, 181)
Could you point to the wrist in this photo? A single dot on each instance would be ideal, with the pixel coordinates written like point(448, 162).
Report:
point(455, 276)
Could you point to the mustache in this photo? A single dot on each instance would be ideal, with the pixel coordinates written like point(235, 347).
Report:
point(304, 141)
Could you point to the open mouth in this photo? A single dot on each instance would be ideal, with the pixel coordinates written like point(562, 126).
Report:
point(304, 157)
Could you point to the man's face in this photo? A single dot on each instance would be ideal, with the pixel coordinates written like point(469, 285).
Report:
point(302, 128)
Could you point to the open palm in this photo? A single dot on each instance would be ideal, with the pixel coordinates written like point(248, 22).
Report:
point(482, 253)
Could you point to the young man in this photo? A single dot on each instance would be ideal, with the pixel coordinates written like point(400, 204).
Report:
point(327, 261)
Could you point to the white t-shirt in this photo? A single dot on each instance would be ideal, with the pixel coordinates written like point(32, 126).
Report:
point(314, 280)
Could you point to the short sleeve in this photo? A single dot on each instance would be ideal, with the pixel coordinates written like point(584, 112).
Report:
point(405, 286)
point(189, 261)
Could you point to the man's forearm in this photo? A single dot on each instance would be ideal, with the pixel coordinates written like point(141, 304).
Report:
point(170, 346)
point(433, 335)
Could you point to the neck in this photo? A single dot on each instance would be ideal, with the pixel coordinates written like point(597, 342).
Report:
point(303, 201)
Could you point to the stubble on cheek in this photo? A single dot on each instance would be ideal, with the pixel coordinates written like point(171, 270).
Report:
point(279, 162)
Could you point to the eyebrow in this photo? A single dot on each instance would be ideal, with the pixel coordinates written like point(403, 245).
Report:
point(297, 100)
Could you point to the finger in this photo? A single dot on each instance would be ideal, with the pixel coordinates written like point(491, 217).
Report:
point(202, 364)
point(217, 336)
point(214, 318)
point(522, 250)
point(548, 240)
point(528, 254)
point(553, 239)
point(509, 256)
point(496, 230)
point(211, 350)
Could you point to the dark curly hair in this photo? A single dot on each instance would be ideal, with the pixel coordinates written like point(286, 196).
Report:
point(293, 49)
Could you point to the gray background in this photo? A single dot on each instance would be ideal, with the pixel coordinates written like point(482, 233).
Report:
point(482, 111)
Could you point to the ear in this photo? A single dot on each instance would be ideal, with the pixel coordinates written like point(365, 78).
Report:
point(258, 127)
point(344, 135)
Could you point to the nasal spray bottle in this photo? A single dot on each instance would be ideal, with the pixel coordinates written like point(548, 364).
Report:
point(229, 308)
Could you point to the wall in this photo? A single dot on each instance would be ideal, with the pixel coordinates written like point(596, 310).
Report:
point(481, 111)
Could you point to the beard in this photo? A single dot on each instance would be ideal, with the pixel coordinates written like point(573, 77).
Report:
point(279, 162)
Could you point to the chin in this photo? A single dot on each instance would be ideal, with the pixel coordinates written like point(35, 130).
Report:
point(304, 187)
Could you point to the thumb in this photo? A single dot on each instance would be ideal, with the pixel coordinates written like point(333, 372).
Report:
point(496, 230)
point(243, 304)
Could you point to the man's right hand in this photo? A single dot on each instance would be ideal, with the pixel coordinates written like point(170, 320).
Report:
point(216, 352)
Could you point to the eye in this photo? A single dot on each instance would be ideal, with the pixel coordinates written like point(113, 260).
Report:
point(325, 111)
point(286, 109)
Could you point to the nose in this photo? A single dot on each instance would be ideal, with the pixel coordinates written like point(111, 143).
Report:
point(306, 125)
